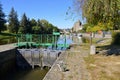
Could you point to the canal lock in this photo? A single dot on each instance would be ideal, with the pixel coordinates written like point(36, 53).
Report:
point(29, 58)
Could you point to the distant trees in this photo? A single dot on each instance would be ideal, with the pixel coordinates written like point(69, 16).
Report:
point(43, 26)
point(13, 21)
point(25, 25)
point(2, 19)
point(36, 28)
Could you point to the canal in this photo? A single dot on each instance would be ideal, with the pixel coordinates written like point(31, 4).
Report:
point(29, 74)
point(37, 73)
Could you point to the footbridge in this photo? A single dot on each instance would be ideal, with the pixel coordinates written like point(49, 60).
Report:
point(41, 40)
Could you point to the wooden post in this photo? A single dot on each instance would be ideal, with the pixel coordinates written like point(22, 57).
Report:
point(65, 42)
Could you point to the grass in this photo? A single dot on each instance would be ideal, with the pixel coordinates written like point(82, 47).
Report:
point(6, 38)
point(103, 67)
point(70, 76)
point(90, 62)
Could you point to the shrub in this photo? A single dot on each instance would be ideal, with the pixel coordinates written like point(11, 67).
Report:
point(116, 38)
point(85, 40)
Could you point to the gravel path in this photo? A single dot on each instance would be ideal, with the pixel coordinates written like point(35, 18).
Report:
point(6, 47)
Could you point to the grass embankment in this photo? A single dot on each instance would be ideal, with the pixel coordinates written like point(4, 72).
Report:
point(102, 67)
point(6, 38)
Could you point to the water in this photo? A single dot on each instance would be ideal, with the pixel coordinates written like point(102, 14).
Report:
point(61, 40)
point(33, 74)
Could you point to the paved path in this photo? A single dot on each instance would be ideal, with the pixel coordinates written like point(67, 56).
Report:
point(6, 47)
point(75, 65)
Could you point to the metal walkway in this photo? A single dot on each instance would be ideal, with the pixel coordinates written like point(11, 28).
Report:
point(40, 40)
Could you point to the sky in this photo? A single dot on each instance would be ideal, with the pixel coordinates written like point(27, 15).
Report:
point(54, 11)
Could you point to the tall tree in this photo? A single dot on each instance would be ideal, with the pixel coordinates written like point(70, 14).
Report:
point(2, 19)
point(13, 21)
point(95, 11)
point(33, 22)
point(25, 26)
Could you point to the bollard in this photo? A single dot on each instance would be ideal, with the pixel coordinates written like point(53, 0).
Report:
point(92, 50)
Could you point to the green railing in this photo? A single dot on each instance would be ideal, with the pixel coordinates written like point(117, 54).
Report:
point(37, 40)
point(40, 40)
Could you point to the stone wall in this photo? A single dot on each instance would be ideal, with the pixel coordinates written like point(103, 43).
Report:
point(55, 72)
point(7, 61)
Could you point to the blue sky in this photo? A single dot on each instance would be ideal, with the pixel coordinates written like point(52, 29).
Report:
point(53, 11)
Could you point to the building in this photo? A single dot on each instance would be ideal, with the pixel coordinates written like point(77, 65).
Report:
point(77, 26)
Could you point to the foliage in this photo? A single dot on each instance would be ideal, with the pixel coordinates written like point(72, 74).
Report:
point(99, 27)
point(36, 29)
point(25, 25)
point(85, 40)
point(2, 20)
point(33, 22)
point(47, 27)
point(13, 22)
point(89, 27)
point(116, 38)
point(100, 11)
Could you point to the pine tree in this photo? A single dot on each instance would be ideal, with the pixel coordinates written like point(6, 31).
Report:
point(2, 19)
point(13, 21)
point(25, 25)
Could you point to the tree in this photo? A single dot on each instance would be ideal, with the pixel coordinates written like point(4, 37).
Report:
point(2, 19)
point(99, 11)
point(25, 25)
point(36, 29)
point(13, 21)
point(39, 24)
point(48, 27)
point(33, 22)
